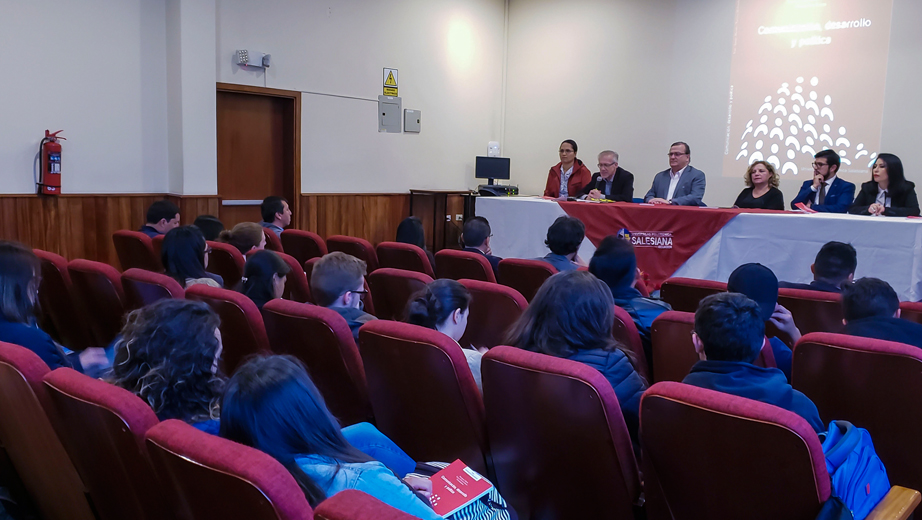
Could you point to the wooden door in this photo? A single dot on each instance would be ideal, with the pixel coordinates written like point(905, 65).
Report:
point(258, 134)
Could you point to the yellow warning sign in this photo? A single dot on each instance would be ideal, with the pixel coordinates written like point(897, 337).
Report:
point(390, 82)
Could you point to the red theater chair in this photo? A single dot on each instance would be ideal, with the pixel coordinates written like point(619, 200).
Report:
point(357, 247)
point(911, 311)
point(624, 330)
point(303, 245)
point(321, 339)
point(493, 309)
point(273, 242)
point(525, 276)
point(227, 262)
point(423, 393)
point(549, 419)
point(157, 242)
point(143, 288)
point(398, 255)
point(97, 288)
point(463, 264)
point(352, 504)
point(242, 330)
point(683, 294)
point(391, 289)
point(297, 287)
point(211, 477)
point(55, 296)
point(813, 311)
point(135, 250)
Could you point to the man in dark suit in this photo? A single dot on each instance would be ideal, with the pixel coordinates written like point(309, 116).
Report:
point(476, 239)
point(681, 184)
point(826, 192)
point(834, 266)
point(162, 216)
point(611, 182)
point(872, 310)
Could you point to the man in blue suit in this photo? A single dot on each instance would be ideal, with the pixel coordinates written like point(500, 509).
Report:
point(681, 184)
point(826, 192)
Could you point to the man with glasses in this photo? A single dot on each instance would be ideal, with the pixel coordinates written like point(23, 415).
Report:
point(826, 192)
point(338, 283)
point(475, 238)
point(611, 182)
point(680, 185)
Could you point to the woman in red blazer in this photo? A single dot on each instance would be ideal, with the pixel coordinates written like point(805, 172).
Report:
point(579, 174)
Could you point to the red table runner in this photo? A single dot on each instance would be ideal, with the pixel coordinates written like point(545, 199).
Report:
point(664, 237)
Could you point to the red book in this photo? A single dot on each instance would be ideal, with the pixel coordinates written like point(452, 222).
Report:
point(803, 207)
point(455, 487)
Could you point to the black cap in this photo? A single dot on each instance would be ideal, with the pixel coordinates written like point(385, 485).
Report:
point(758, 283)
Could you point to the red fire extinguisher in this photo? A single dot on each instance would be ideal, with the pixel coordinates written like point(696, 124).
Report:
point(49, 181)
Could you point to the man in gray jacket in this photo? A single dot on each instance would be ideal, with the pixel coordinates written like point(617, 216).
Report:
point(680, 185)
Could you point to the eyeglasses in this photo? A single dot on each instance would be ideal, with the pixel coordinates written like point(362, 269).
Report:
point(819, 164)
point(606, 165)
point(676, 154)
point(360, 293)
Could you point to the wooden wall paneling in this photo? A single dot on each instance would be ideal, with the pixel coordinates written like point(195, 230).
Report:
point(373, 217)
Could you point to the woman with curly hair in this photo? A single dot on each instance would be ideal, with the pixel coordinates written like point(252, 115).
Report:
point(762, 192)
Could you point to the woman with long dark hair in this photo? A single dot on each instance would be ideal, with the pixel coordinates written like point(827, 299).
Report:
point(410, 231)
point(264, 277)
point(185, 257)
point(888, 192)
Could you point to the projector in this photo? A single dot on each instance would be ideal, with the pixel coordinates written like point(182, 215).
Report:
point(495, 190)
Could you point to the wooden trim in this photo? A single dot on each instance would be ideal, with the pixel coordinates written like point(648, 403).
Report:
point(262, 91)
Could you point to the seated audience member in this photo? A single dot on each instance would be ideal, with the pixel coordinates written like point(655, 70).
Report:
point(162, 216)
point(475, 236)
point(563, 239)
point(729, 333)
point(762, 191)
point(185, 257)
point(410, 231)
point(272, 405)
point(568, 177)
point(759, 284)
point(826, 192)
point(571, 317)
point(681, 184)
point(872, 310)
point(338, 283)
point(834, 265)
point(888, 192)
point(264, 277)
point(611, 182)
point(276, 214)
point(444, 305)
point(20, 277)
point(245, 236)
point(210, 225)
point(615, 263)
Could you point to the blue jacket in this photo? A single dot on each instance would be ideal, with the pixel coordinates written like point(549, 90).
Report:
point(767, 385)
point(36, 340)
point(838, 198)
point(889, 329)
point(643, 311)
point(355, 318)
point(149, 231)
point(494, 260)
point(560, 262)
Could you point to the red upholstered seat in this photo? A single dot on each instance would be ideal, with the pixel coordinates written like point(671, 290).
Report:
point(303, 245)
point(494, 308)
point(352, 504)
point(135, 250)
point(398, 255)
point(813, 311)
point(227, 262)
point(321, 339)
point(146, 287)
point(97, 288)
point(463, 264)
point(561, 447)
point(911, 311)
point(357, 247)
point(273, 242)
point(55, 296)
point(102, 428)
point(297, 287)
point(625, 332)
point(684, 294)
point(525, 276)
point(715, 455)
point(423, 393)
point(391, 289)
point(29, 439)
point(211, 477)
point(242, 330)
point(157, 242)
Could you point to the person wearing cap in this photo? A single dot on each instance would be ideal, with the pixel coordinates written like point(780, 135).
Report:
point(759, 283)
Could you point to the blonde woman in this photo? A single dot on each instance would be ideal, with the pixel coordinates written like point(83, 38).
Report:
point(762, 192)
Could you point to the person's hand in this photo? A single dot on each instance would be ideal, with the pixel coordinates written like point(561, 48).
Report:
point(784, 321)
point(488, 251)
point(423, 486)
point(658, 200)
point(876, 209)
point(817, 180)
point(595, 194)
point(93, 357)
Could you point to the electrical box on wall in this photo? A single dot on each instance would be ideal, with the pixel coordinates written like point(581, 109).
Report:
point(250, 58)
point(411, 120)
point(389, 114)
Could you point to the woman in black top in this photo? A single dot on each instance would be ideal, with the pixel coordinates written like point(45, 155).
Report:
point(888, 192)
point(763, 192)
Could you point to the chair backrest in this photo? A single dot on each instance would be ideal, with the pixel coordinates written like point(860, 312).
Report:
point(398, 255)
point(813, 311)
point(357, 247)
point(273, 242)
point(873, 384)
point(352, 504)
point(535, 406)
point(624, 330)
point(55, 295)
point(227, 262)
point(30, 440)
point(102, 428)
point(157, 243)
point(210, 477)
point(97, 288)
point(135, 250)
point(683, 294)
point(322, 340)
point(494, 308)
point(143, 288)
point(911, 311)
point(297, 287)
point(423, 393)
point(303, 245)
point(525, 276)
point(391, 289)
point(456, 265)
point(759, 461)
point(242, 330)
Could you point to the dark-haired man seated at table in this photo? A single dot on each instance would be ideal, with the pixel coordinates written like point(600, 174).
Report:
point(826, 192)
point(872, 310)
point(681, 184)
point(729, 333)
point(476, 239)
point(611, 182)
point(834, 265)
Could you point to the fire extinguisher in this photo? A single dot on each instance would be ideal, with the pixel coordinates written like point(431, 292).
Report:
point(49, 181)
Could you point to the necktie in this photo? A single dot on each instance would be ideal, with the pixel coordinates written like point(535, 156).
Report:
point(822, 192)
